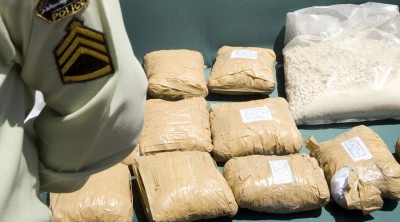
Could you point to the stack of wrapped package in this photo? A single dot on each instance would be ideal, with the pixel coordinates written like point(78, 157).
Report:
point(183, 186)
point(263, 127)
point(243, 70)
point(175, 74)
point(360, 168)
point(277, 184)
point(106, 196)
point(176, 126)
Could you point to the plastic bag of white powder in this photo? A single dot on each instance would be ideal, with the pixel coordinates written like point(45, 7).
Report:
point(342, 63)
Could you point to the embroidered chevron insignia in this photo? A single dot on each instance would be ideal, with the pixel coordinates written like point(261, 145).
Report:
point(83, 54)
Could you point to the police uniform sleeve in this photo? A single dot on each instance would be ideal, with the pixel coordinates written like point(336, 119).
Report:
point(18, 157)
point(93, 86)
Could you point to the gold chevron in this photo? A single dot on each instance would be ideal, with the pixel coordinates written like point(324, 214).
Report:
point(75, 29)
point(100, 72)
point(82, 51)
point(75, 44)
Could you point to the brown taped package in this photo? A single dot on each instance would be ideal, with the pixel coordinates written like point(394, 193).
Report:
point(175, 74)
point(180, 125)
point(106, 196)
point(374, 173)
point(264, 127)
point(243, 70)
point(277, 184)
point(183, 186)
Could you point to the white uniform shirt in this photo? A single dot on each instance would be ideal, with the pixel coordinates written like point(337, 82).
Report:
point(86, 126)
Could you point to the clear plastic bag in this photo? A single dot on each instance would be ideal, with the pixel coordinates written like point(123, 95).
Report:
point(342, 63)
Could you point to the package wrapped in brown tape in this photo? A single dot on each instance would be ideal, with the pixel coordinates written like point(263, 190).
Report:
point(175, 74)
point(106, 196)
point(277, 184)
point(264, 127)
point(360, 168)
point(243, 70)
point(176, 125)
point(183, 186)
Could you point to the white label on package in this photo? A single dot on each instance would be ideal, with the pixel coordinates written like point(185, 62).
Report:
point(281, 171)
point(356, 149)
point(255, 114)
point(243, 54)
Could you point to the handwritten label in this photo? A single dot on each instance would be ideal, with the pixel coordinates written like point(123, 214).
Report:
point(243, 54)
point(356, 149)
point(255, 114)
point(281, 171)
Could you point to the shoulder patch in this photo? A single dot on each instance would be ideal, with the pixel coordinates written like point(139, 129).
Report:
point(83, 54)
point(55, 10)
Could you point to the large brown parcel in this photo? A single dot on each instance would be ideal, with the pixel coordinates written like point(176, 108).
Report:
point(106, 196)
point(176, 125)
point(360, 168)
point(175, 74)
point(277, 184)
point(183, 186)
point(264, 127)
point(243, 70)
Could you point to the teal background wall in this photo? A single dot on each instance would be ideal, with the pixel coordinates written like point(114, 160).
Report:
point(206, 25)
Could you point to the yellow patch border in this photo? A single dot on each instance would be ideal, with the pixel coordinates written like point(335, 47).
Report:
point(81, 40)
